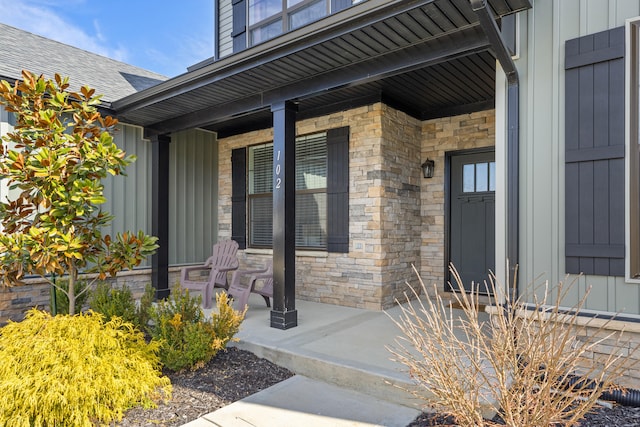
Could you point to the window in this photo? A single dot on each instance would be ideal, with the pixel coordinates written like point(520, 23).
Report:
point(270, 18)
point(479, 177)
point(311, 193)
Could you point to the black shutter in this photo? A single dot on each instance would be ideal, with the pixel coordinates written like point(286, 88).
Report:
point(239, 196)
point(239, 30)
point(594, 156)
point(338, 190)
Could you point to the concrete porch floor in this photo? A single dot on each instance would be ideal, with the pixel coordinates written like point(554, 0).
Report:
point(344, 372)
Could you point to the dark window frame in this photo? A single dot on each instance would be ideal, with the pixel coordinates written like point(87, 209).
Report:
point(283, 17)
point(250, 197)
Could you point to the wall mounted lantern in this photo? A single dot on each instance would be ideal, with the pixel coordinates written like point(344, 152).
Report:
point(427, 168)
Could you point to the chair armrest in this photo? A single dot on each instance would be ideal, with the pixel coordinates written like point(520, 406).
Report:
point(184, 271)
point(261, 276)
point(226, 268)
point(240, 273)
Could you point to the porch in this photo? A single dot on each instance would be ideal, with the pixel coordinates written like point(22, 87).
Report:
point(344, 373)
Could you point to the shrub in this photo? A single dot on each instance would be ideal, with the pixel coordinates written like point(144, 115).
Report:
point(144, 306)
point(519, 363)
point(62, 299)
point(75, 371)
point(188, 340)
point(111, 302)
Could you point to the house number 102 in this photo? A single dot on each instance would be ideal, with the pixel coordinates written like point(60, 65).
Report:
point(278, 168)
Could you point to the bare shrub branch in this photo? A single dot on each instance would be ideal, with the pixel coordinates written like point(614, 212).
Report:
point(526, 361)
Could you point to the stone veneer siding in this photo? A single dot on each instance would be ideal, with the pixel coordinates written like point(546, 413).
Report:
point(384, 210)
point(439, 136)
point(15, 301)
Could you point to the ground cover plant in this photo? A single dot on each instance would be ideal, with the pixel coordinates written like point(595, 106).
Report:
point(54, 161)
point(75, 371)
point(189, 340)
point(520, 364)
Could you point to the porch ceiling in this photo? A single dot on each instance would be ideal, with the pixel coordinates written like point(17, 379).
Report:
point(429, 58)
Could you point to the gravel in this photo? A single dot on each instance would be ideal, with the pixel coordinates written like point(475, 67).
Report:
point(235, 374)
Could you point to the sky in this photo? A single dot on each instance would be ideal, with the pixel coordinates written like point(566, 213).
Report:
point(160, 35)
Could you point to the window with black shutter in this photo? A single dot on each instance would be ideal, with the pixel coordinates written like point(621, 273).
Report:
point(322, 189)
point(594, 154)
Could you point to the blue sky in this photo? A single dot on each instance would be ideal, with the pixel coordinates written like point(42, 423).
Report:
point(159, 35)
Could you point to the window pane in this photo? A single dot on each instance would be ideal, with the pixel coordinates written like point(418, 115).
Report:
point(266, 32)
point(482, 177)
point(492, 176)
point(468, 178)
point(293, 2)
point(311, 162)
point(307, 14)
point(261, 221)
point(261, 169)
point(311, 220)
point(262, 9)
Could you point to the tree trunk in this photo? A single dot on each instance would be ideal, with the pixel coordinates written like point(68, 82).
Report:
point(73, 274)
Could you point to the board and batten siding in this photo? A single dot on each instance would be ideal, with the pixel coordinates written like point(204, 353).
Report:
point(225, 26)
point(544, 31)
point(129, 197)
point(193, 196)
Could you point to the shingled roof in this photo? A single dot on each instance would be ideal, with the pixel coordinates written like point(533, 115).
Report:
point(113, 79)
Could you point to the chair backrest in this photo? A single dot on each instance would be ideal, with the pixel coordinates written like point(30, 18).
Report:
point(224, 254)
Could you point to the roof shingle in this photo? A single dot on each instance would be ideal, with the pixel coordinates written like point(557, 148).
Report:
point(113, 79)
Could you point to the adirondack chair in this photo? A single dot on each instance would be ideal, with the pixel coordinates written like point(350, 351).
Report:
point(213, 273)
point(240, 292)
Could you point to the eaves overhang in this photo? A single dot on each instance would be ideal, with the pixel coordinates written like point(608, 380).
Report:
point(428, 55)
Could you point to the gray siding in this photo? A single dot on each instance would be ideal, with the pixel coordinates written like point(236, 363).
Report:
point(544, 31)
point(193, 195)
point(129, 198)
point(225, 25)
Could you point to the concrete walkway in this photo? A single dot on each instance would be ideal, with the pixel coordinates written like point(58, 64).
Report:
point(345, 375)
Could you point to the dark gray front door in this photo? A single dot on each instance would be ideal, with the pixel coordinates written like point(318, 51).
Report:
point(472, 217)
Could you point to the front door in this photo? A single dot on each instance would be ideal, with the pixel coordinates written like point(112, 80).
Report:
point(471, 226)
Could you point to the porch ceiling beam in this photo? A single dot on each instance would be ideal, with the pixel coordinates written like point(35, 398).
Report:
point(456, 44)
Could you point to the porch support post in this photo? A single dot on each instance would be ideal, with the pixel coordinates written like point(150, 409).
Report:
point(160, 213)
point(284, 314)
point(489, 26)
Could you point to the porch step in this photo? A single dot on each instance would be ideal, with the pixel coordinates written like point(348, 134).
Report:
point(376, 382)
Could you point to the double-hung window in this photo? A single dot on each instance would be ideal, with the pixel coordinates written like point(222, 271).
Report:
point(311, 193)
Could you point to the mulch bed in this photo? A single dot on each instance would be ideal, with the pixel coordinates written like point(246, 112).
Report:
point(618, 416)
point(232, 375)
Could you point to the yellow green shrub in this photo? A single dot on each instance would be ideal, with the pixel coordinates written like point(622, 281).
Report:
point(226, 321)
point(75, 371)
point(188, 340)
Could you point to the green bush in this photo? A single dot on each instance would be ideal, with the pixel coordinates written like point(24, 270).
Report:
point(75, 371)
point(188, 340)
point(111, 302)
point(144, 306)
point(62, 300)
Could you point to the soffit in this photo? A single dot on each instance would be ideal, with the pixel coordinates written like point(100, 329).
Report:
point(424, 56)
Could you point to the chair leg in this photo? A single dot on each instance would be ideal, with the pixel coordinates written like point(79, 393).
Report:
point(266, 299)
point(208, 296)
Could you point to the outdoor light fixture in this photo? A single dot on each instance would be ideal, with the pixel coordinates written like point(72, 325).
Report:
point(427, 168)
